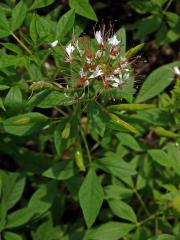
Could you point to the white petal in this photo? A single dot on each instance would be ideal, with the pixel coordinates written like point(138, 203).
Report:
point(96, 73)
point(177, 71)
point(69, 49)
point(54, 44)
point(113, 41)
point(98, 37)
point(99, 54)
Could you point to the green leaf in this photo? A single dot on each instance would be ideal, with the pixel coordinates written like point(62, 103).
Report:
point(24, 124)
point(65, 25)
point(3, 87)
point(48, 99)
point(14, 99)
point(91, 197)
point(156, 82)
point(33, 29)
point(147, 25)
point(11, 236)
point(160, 157)
point(2, 104)
point(144, 6)
point(13, 187)
point(97, 118)
point(83, 8)
point(164, 237)
point(9, 60)
point(114, 165)
point(129, 141)
point(121, 35)
point(13, 47)
point(4, 25)
point(18, 15)
point(19, 218)
point(122, 210)
point(40, 4)
point(43, 198)
point(60, 171)
point(110, 231)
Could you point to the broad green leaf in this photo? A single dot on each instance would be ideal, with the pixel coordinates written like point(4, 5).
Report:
point(13, 187)
point(13, 47)
point(144, 6)
point(48, 99)
point(43, 198)
point(147, 25)
point(2, 104)
point(14, 99)
point(91, 197)
point(174, 155)
point(156, 82)
point(65, 25)
point(3, 87)
point(97, 118)
point(60, 171)
point(117, 192)
point(164, 237)
point(160, 157)
point(4, 25)
point(11, 236)
point(24, 124)
point(122, 210)
point(19, 218)
point(121, 35)
point(45, 29)
point(114, 165)
point(9, 60)
point(110, 231)
point(33, 29)
point(83, 8)
point(18, 15)
point(129, 141)
point(40, 4)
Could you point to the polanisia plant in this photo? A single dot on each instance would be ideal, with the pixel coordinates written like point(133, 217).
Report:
point(93, 65)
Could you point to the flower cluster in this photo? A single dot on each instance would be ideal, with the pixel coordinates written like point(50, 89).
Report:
point(98, 60)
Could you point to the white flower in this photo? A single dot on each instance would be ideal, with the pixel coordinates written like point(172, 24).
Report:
point(69, 49)
point(86, 83)
point(54, 44)
point(82, 73)
point(99, 37)
point(98, 72)
point(88, 61)
point(113, 41)
point(177, 71)
point(117, 81)
point(47, 65)
point(99, 54)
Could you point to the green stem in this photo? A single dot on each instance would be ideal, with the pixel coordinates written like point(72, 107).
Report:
point(141, 202)
point(168, 5)
point(148, 219)
point(86, 145)
point(21, 43)
point(61, 111)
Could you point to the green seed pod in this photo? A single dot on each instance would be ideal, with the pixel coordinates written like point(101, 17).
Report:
point(79, 160)
point(66, 131)
point(176, 203)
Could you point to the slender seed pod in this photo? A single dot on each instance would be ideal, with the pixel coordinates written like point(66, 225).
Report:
point(79, 159)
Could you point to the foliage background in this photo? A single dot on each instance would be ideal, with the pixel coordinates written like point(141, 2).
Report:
point(131, 188)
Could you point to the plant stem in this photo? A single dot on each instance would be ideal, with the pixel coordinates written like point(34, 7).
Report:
point(61, 111)
point(148, 219)
point(142, 202)
point(86, 145)
point(168, 5)
point(21, 43)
